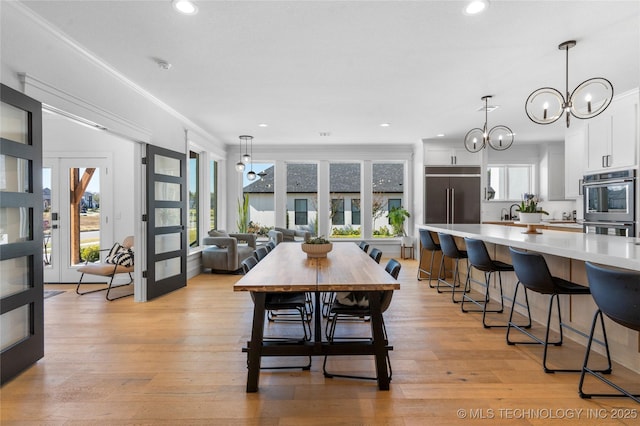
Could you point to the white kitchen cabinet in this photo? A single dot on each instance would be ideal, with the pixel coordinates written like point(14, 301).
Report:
point(574, 148)
point(446, 156)
point(556, 179)
point(612, 137)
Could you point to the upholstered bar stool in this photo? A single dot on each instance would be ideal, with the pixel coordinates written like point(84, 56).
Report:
point(427, 244)
point(533, 274)
point(617, 296)
point(450, 250)
point(479, 258)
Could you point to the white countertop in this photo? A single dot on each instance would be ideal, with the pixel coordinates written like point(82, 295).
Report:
point(621, 252)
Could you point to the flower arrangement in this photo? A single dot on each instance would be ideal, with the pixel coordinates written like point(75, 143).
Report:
point(529, 204)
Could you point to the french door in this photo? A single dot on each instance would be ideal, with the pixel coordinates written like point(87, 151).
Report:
point(77, 214)
point(166, 221)
point(21, 290)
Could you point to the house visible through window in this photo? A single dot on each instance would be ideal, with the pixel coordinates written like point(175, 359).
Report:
point(337, 211)
point(355, 211)
point(301, 216)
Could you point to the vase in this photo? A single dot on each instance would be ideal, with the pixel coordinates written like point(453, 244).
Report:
point(316, 250)
point(528, 218)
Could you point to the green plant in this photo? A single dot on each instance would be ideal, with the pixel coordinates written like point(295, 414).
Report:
point(318, 240)
point(529, 204)
point(383, 231)
point(243, 214)
point(397, 216)
point(90, 253)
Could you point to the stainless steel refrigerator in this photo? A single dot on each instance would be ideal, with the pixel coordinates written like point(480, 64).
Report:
point(452, 194)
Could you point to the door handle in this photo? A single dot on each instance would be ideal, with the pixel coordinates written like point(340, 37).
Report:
point(453, 204)
point(448, 204)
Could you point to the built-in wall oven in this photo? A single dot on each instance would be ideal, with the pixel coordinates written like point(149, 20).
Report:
point(609, 203)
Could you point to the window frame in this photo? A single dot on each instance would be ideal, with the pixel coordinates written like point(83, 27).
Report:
point(300, 212)
point(505, 180)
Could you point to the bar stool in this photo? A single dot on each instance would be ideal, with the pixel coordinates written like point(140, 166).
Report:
point(533, 273)
point(616, 295)
point(427, 244)
point(479, 258)
point(450, 250)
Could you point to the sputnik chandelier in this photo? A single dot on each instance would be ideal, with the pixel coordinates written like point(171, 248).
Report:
point(499, 137)
point(590, 98)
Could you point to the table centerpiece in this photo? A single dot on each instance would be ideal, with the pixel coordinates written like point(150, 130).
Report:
point(317, 247)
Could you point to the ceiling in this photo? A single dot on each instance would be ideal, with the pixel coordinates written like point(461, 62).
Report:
point(345, 67)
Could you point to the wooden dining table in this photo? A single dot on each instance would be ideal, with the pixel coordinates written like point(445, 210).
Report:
point(287, 269)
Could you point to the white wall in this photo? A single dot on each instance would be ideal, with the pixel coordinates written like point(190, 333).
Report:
point(64, 138)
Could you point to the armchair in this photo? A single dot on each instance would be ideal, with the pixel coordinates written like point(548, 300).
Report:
point(225, 251)
point(282, 235)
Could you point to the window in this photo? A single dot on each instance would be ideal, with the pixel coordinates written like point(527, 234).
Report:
point(260, 191)
point(337, 211)
point(388, 191)
point(194, 194)
point(355, 211)
point(301, 212)
point(302, 197)
point(213, 195)
point(344, 186)
point(508, 182)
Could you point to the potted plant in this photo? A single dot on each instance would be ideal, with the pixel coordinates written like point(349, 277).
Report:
point(397, 216)
point(529, 210)
point(317, 247)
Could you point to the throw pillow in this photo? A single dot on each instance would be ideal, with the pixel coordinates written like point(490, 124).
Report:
point(218, 233)
point(124, 258)
point(117, 248)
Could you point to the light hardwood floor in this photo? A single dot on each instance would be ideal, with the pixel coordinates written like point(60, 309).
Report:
point(178, 360)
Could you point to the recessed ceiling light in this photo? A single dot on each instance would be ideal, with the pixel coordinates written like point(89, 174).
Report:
point(263, 125)
point(185, 7)
point(385, 125)
point(440, 135)
point(476, 6)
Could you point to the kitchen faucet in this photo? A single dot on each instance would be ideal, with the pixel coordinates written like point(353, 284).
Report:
point(511, 216)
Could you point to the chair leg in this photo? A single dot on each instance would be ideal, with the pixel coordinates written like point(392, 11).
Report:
point(586, 370)
point(511, 324)
point(456, 279)
point(121, 285)
point(487, 298)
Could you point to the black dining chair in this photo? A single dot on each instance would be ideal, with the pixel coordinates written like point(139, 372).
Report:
point(617, 296)
point(533, 274)
point(427, 244)
point(451, 250)
point(479, 259)
point(287, 302)
point(375, 254)
point(364, 246)
point(260, 253)
point(358, 307)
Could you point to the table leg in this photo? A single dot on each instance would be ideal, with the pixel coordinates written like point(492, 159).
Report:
point(255, 347)
point(379, 344)
point(317, 319)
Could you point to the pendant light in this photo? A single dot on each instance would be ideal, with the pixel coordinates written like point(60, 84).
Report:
point(499, 137)
point(246, 157)
point(251, 175)
point(240, 164)
point(590, 98)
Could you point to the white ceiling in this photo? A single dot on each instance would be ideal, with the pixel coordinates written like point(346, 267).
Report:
point(345, 67)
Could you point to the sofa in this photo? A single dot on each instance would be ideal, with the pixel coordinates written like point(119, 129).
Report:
point(225, 252)
point(282, 235)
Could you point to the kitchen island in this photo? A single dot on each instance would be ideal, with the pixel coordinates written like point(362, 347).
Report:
point(565, 253)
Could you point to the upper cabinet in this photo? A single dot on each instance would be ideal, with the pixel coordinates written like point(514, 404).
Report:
point(441, 155)
point(612, 137)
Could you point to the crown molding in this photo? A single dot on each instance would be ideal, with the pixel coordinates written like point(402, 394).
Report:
point(99, 62)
